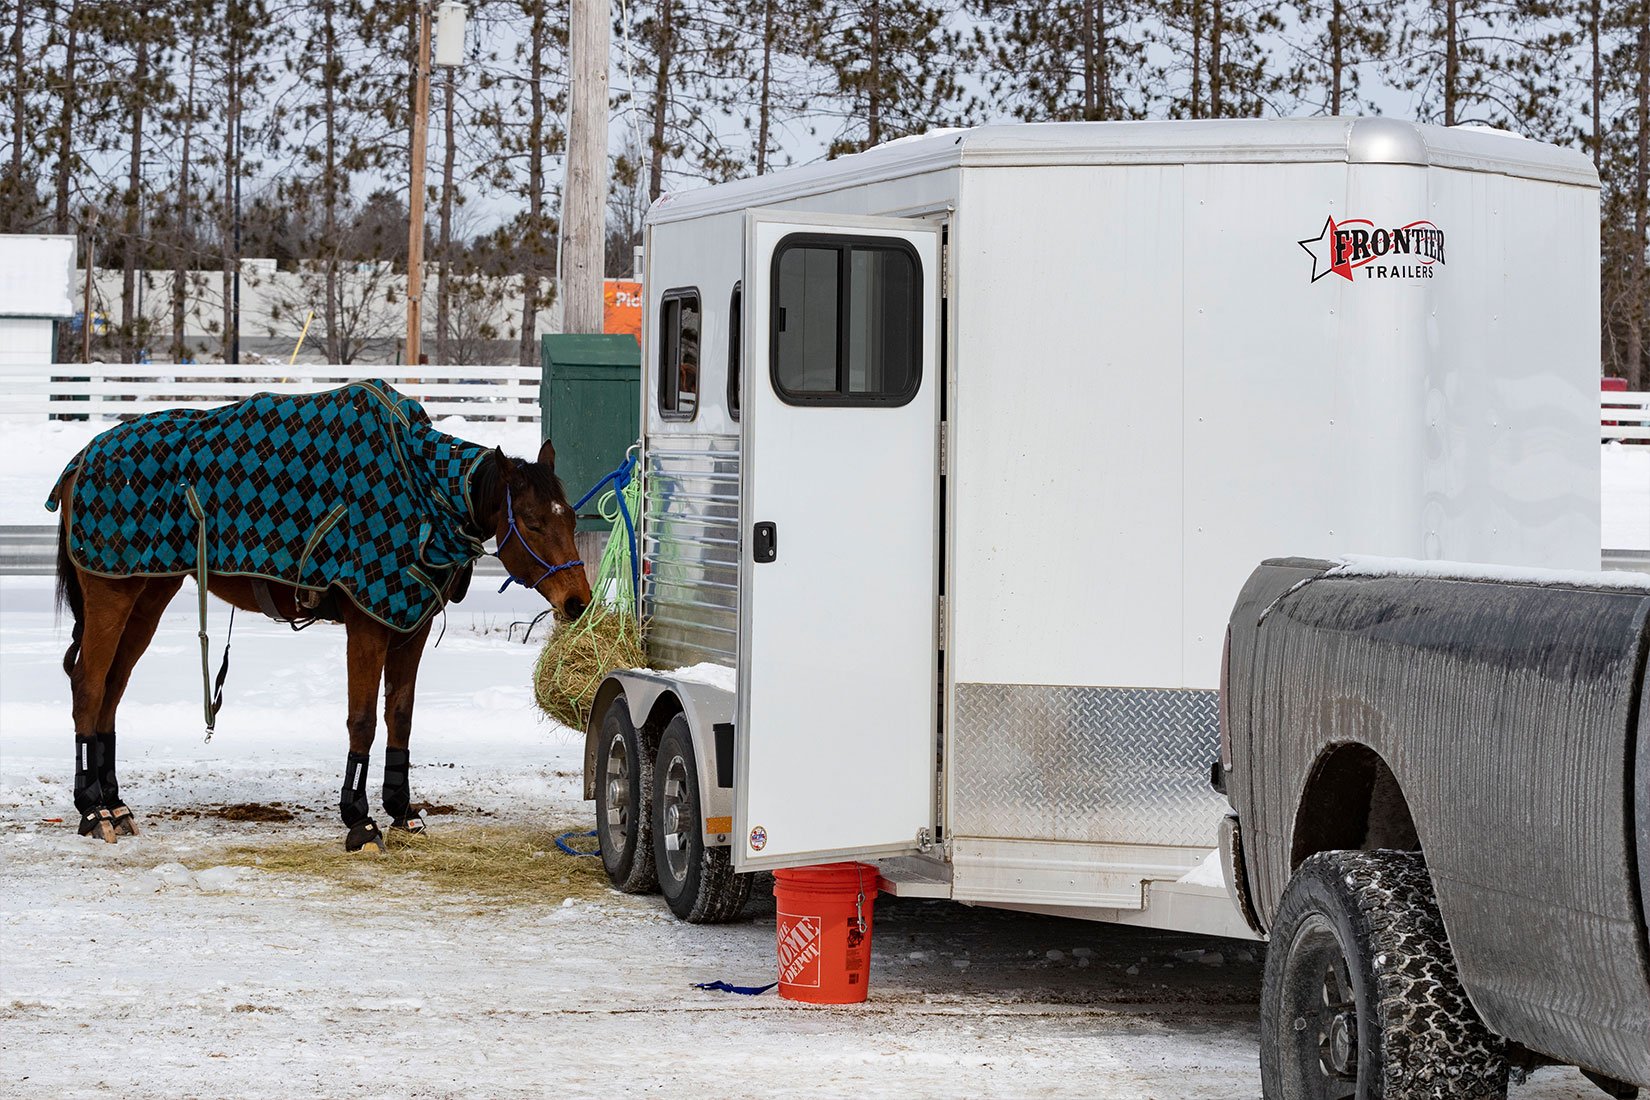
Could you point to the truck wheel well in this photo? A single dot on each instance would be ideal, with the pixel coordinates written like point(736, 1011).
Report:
point(1352, 802)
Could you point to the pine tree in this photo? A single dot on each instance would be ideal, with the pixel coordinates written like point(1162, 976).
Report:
point(681, 53)
point(526, 91)
point(774, 67)
point(1218, 64)
point(1074, 59)
point(894, 66)
point(1336, 39)
point(1492, 62)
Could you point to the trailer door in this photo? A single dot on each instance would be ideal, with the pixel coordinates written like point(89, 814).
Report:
point(839, 553)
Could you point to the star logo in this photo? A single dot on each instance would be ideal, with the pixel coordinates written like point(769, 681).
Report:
point(1322, 250)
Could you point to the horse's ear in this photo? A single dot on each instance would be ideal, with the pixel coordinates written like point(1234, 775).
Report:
point(506, 468)
point(547, 455)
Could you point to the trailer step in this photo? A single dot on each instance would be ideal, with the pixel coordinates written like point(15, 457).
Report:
point(915, 877)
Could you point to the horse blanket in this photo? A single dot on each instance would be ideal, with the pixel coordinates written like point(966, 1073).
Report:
point(351, 489)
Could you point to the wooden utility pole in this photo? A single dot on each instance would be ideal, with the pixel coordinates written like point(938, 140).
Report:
point(584, 199)
point(415, 190)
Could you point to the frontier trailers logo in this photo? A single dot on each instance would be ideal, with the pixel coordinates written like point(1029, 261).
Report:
point(1404, 252)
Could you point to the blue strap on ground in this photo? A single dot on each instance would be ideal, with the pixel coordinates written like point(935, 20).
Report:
point(744, 990)
point(561, 842)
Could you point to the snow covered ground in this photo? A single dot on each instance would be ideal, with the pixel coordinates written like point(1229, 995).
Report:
point(1626, 497)
point(124, 973)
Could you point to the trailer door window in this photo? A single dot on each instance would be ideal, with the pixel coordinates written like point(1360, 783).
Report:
point(846, 321)
point(679, 354)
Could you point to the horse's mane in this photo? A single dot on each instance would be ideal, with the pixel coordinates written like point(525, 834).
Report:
point(487, 486)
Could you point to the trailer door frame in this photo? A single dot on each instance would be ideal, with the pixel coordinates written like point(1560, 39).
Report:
point(840, 539)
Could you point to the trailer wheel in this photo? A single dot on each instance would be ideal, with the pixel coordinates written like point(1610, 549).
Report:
point(1361, 996)
point(698, 881)
point(624, 793)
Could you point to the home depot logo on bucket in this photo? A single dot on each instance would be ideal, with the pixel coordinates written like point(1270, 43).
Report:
point(799, 950)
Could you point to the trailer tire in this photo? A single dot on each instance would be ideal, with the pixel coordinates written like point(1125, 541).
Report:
point(624, 800)
point(698, 881)
point(1361, 995)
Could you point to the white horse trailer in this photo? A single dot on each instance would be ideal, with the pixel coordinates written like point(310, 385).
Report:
point(959, 450)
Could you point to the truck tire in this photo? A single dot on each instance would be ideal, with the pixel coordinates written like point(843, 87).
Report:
point(697, 880)
point(1361, 998)
point(624, 797)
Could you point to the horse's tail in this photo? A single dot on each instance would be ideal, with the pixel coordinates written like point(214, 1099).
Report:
point(69, 593)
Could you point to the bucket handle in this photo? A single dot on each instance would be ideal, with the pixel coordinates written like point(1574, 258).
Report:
point(859, 902)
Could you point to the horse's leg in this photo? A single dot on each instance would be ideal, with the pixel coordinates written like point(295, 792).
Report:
point(134, 640)
point(107, 605)
point(400, 678)
point(367, 646)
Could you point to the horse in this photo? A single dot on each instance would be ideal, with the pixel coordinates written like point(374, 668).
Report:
point(521, 505)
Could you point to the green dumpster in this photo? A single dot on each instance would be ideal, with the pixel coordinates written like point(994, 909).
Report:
point(589, 403)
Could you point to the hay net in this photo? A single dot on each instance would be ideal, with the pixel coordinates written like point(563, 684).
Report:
point(608, 636)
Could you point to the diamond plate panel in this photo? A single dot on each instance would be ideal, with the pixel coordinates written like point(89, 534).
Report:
point(1097, 764)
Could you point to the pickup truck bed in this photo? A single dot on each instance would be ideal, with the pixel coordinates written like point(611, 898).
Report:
point(1497, 722)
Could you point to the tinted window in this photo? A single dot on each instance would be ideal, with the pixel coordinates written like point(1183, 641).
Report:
point(847, 321)
point(679, 354)
point(736, 311)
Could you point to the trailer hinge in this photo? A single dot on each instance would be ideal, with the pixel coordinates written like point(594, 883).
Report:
point(942, 623)
point(925, 839)
point(944, 447)
point(945, 270)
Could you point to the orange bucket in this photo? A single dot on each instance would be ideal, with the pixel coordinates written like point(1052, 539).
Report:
point(824, 932)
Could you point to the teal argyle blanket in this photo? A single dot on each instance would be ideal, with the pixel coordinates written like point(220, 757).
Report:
point(351, 488)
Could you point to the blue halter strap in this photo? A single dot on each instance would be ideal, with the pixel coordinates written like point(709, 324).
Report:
point(512, 532)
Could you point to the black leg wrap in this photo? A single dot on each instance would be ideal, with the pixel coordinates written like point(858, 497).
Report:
point(88, 768)
point(397, 791)
point(106, 770)
point(352, 802)
point(88, 790)
point(352, 805)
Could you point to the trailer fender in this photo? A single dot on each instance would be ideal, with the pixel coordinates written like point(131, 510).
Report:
point(654, 698)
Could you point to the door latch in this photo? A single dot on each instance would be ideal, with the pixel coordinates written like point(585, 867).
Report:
point(764, 542)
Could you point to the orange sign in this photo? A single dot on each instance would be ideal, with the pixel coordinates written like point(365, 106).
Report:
point(622, 307)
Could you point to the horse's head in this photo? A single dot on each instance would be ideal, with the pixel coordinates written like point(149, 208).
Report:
point(535, 531)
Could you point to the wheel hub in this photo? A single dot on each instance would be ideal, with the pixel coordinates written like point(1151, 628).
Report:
point(618, 797)
point(675, 817)
point(1342, 1053)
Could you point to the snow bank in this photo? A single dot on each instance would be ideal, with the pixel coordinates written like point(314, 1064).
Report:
point(1626, 496)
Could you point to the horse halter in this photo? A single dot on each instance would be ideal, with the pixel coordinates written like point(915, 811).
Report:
point(513, 532)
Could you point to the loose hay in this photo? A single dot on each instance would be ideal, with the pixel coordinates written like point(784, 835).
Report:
point(577, 657)
point(500, 863)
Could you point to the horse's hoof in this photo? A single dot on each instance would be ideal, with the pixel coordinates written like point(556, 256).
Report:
point(99, 824)
point(124, 822)
point(363, 833)
point(413, 825)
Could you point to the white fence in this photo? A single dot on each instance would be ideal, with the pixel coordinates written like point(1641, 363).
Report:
point(127, 389)
point(1624, 415)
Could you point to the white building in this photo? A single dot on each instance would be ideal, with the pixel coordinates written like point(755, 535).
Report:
point(36, 292)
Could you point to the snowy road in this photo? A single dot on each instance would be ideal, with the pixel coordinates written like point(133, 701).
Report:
point(123, 974)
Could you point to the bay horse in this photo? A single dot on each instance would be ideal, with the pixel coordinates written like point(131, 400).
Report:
point(522, 505)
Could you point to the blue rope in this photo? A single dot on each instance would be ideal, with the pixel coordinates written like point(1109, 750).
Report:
point(743, 990)
point(620, 478)
point(561, 842)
